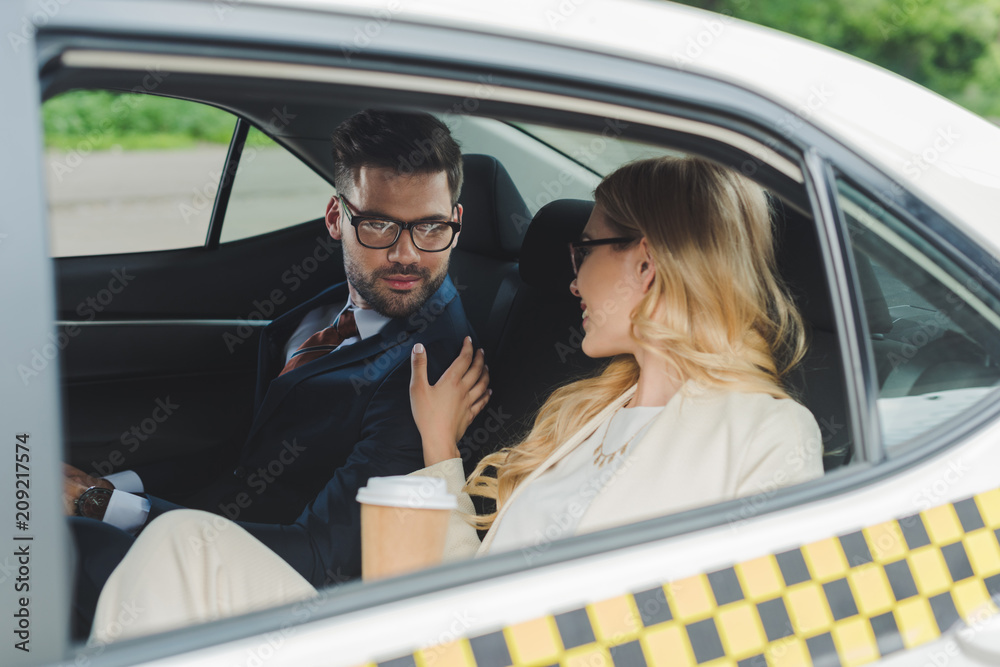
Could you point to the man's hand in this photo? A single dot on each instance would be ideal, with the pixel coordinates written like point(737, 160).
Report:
point(76, 482)
point(444, 410)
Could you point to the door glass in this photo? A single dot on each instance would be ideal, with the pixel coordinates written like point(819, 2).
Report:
point(130, 172)
point(273, 189)
point(601, 153)
point(934, 329)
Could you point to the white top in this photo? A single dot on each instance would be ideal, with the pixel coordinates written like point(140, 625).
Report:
point(566, 490)
point(129, 512)
point(706, 445)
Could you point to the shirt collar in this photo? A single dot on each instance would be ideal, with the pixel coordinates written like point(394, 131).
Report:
point(368, 321)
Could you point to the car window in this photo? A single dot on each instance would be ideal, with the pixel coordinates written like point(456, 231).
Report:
point(601, 153)
point(272, 190)
point(934, 330)
point(129, 172)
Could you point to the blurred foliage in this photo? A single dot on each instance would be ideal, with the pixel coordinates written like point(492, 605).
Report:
point(949, 46)
point(99, 120)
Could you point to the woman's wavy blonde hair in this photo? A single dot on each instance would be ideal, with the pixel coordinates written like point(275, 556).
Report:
point(716, 312)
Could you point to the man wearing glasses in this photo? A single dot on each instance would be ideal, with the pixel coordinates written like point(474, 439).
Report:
point(332, 404)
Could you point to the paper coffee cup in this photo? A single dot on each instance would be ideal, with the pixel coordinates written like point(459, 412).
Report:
point(404, 521)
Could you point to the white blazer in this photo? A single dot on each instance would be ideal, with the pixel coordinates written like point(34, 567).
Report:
point(706, 446)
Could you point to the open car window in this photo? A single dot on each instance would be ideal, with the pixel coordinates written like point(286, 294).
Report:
point(272, 190)
point(136, 172)
point(131, 172)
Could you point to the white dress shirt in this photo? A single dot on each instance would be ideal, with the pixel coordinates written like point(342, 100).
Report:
point(129, 511)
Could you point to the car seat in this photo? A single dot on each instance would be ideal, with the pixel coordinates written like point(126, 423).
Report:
point(484, 263)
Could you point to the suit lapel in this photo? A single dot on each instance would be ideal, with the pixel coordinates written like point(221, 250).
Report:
point(394, 335)
point(271, 355)
point(568, 446)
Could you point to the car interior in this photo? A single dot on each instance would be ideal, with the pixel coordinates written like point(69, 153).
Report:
point(513, 279)
point(186, 328)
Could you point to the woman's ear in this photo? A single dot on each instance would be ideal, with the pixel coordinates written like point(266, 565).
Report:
point(647, 267)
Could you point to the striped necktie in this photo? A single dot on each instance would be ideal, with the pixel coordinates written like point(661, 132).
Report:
point(323, 342)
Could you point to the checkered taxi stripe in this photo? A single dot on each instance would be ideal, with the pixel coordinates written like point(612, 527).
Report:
point(846, 600)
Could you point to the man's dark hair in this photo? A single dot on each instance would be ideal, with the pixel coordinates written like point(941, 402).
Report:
point(409, 143)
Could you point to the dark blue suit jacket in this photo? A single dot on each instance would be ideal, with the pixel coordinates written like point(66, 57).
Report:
point(320, 431)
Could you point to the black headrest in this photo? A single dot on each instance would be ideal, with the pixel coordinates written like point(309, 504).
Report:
point(800, 263)
point(494, 216)
point(545, 263)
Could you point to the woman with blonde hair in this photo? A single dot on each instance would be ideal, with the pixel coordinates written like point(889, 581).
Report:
point(676, 275)
point(678, 284)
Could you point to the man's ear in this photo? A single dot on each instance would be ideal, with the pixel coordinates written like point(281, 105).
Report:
point(333, 218)
point(455, 240)
point(647, 267)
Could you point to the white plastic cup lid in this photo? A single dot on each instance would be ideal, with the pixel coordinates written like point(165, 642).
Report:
point(426, 493)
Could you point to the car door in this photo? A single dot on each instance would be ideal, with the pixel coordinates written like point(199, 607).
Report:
point(169, 261)
point(806, 574)
point(32, 567)
point(546, 573)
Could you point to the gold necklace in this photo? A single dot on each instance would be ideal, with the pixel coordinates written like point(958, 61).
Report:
point(600, 457)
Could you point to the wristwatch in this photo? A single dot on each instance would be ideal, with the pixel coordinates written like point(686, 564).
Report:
point(93, 502)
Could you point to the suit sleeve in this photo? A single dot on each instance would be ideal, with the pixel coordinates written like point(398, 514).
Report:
point(786, 449)
point(175, 477)
point(324, 543)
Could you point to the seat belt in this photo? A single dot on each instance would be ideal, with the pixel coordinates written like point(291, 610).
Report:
point(501, 309)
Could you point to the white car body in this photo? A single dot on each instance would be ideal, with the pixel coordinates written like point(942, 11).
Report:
point(941, 153)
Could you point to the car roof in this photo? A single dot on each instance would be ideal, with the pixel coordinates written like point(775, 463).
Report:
point(929, 145)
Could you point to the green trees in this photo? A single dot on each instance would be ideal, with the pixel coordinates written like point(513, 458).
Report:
point(131, 121)
point(949, 46)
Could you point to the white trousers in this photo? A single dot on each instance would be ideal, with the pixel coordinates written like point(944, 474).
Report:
point(189, 567)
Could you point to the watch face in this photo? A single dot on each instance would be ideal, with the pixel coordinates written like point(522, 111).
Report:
point(94, 502)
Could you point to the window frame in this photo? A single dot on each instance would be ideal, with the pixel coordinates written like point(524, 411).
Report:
point(231, 164)
point(499, 564)
point(850, 317)
point(225, 188)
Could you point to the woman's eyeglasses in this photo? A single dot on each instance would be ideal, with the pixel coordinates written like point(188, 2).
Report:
point(578, 250)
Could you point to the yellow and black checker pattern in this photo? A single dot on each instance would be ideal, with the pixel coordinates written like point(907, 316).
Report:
point(846, 600)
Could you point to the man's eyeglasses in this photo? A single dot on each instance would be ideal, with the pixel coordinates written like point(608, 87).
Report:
point(380, 233)
point(579, 250)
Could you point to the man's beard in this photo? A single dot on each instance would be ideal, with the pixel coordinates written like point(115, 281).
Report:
point(388, 302)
